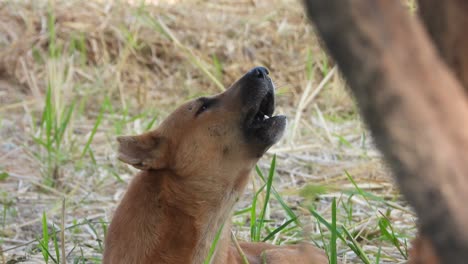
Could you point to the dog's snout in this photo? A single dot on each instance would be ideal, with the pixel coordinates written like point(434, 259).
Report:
point(259, 72)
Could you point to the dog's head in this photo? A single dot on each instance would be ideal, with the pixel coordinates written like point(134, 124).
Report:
point(223, 134)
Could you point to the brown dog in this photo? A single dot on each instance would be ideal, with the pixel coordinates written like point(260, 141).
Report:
point(194, 168)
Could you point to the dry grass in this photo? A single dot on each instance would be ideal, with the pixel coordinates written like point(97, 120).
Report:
point(121, 66)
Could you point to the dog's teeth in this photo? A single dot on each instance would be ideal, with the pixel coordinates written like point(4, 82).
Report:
point(265, 117)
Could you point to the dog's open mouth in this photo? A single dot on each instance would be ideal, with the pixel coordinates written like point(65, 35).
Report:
point(266, 108)
point(261, 125)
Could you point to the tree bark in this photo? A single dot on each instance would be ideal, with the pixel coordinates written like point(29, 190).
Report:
point(413, 105)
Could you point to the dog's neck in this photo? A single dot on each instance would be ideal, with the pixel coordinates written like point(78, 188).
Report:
point(210, 204)
point(182, 215)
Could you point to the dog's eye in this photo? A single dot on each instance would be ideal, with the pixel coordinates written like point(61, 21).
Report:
point(205, 104)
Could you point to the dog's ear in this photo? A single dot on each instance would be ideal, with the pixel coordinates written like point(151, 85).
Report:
point(144, 152)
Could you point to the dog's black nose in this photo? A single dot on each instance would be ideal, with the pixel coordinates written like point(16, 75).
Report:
point(259, 72)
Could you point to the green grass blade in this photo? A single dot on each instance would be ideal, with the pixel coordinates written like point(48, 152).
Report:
point(384, 225)
point(45, 238)
point(333, 253)
point(213, 245)
point(253, 216)
point(364, 194)
point(267, 196)
point(377, 257)
point(354, 245)
point(56, 246)
point(241, 211)
point(48, 118)
point(96, 234)
point(218, 68)
point(104, 227)
point(151, 122)
point(277, 230)
point(40, 142)
point(45, 252)
point(4, 175)
point(278, 197)
point(64, 124)
point(94, 130)
point(325, 222)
